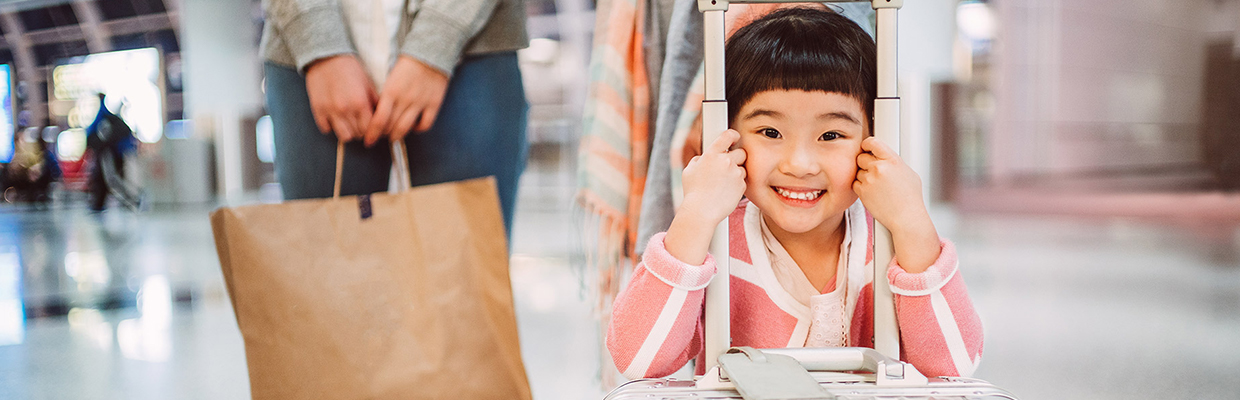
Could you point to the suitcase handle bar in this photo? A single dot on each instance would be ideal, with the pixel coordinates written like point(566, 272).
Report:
point(887, 371)
point(839, 359)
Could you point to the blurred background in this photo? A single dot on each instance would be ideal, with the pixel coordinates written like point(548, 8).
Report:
point(1083, 155)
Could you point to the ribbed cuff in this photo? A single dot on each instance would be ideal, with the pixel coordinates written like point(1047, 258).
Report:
point(435, 40)
point(928, 281)
point(674, 272)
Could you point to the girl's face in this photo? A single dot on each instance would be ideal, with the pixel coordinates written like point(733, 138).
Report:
point(802, 152)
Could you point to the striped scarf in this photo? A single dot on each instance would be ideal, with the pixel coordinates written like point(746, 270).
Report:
point(615, 139)
point(615, 150)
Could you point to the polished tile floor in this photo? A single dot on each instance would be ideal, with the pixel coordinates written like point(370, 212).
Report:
point(132, 306)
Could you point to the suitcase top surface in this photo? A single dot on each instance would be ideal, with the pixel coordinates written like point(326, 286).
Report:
point(842, 386)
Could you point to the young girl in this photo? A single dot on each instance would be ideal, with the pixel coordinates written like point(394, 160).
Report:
point(801, 88)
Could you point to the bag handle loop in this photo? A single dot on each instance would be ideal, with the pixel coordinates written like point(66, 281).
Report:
point(400, 161)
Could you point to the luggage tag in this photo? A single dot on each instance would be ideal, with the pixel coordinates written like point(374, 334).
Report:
point(761, 376)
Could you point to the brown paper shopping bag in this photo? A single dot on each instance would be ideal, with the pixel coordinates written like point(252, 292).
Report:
point(387, 296)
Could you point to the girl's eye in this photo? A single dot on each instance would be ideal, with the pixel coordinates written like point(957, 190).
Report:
point(830, 136)
point(770, 133)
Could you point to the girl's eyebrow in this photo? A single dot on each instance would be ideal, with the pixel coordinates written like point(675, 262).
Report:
point(839, 115)
point(762, 113)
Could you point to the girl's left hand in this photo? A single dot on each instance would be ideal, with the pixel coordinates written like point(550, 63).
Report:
point(888, 187)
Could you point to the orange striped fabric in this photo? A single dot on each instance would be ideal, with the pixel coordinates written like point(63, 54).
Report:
point(615, 149)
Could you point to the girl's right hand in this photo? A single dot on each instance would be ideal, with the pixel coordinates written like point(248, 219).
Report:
point(715, 181)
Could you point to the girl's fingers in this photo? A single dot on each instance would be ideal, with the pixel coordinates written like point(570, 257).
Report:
point(724, 142)
point(862, 178)
point(737, 156)
point(877, 148)
point(865, 161)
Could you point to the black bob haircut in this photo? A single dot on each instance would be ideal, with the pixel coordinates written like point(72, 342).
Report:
point(801, 48)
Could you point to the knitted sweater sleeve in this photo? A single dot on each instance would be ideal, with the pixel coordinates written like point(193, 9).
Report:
point(655, 322)
point(312, 29)
point(440, 30)
point(940, 332)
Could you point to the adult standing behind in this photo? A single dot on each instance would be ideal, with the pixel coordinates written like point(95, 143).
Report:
point(369, 72)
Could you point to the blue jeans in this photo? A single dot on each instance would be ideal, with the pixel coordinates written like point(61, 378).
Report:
point(480, 131)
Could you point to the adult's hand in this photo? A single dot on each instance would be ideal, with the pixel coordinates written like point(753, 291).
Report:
point(411, 95)
point(342, 96)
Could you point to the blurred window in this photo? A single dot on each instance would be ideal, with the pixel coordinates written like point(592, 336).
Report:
point(47, 54)
point(165, 40)
point(264, 140)
point(118, 9)
point(48, 17)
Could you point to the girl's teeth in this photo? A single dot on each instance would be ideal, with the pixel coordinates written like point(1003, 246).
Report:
point(799, 195)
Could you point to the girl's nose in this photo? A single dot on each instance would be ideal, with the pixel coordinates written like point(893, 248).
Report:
point(799, 162)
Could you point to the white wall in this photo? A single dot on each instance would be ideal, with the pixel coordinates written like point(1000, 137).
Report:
point(1096, 86)
point(927, 32)
point(222, 78)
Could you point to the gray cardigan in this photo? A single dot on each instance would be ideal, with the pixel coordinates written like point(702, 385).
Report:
point(298, 32)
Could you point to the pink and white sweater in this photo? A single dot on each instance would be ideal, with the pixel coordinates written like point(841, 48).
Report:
point(657, 321)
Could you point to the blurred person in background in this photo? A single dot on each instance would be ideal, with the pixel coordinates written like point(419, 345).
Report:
point(32, 170)
point(365, 72)
point(110, 139)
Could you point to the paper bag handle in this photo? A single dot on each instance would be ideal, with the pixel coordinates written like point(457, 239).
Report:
point(400, 161)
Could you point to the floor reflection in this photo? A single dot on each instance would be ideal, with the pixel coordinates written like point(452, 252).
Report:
point(12, 313)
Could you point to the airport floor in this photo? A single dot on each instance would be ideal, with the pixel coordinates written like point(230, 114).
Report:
point(132, 306)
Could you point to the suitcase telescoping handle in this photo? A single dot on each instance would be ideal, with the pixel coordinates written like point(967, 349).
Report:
point(886, 128)
point(783, 374)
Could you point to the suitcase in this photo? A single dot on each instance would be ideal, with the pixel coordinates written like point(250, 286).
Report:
point(804, 373)
point(810, 373)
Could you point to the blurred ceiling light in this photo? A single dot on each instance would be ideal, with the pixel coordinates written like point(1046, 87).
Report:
point(541, 50)
point(71, 144)
point(975, 20)
point(265, 139)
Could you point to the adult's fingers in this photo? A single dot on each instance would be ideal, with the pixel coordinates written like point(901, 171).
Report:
point(402, 125)
point(379, 123)
point(427, 119)
point(342, 127)
point(361, 121)
point(322, 122)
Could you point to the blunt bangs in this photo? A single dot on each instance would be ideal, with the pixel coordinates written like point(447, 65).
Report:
point(800, 49)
